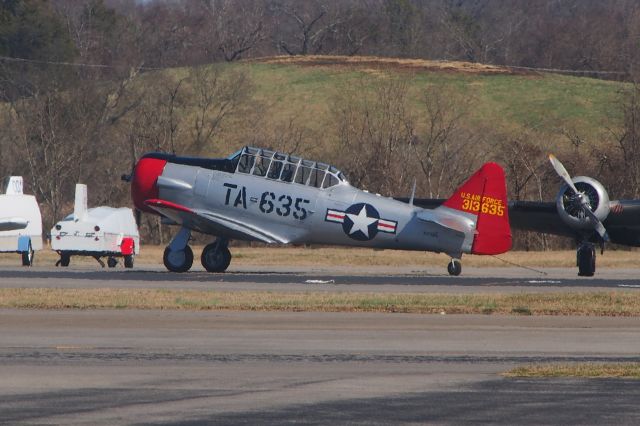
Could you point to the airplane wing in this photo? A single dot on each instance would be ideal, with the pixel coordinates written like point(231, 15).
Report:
point(622, 223)
point(13, 223)
point(213, 223)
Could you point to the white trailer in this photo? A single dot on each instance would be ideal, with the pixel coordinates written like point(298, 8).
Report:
point(20, 221)
point(97, 232)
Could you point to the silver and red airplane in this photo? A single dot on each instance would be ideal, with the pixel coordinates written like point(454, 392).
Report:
point(262, 195)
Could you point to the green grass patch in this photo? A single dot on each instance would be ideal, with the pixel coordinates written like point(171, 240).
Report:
point(615, 303)
point(629, 370)
point(509, 101)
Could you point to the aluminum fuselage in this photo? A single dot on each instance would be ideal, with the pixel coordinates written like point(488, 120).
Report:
point(301, 214)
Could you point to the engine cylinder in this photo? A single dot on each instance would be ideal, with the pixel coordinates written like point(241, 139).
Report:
point(570, 207)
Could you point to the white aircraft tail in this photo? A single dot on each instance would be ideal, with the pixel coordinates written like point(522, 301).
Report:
point(13, 185)
point(80, 206)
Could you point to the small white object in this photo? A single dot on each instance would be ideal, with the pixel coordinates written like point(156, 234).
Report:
point(320, 281)
point(13, 185)
point(19, 216)
point(98, 230)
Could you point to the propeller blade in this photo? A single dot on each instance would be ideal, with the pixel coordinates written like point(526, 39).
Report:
point(600, 229)
point(562, 172)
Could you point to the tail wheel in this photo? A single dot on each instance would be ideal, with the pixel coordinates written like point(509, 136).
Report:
point(178, 260)
point(215, 258)
point(454, 267)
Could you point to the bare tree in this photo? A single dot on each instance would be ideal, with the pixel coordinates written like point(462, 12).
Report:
point(375, 130)
point(309, 24)
point(61, 138)
point(216, 96)
point(236, 26)
point(627, 139)
point(444, 150)
point(156, 124)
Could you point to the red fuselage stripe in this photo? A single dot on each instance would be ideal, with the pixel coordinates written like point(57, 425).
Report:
point(167, 205)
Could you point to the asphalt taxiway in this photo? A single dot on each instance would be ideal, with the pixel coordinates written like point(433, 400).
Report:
point(220, 367)
point(474, 280)
point(142, 367)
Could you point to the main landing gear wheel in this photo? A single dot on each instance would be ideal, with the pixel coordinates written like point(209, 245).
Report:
point(454, 267)
point(215, 258)
point(112, 262)
point(27, 257)
point(178, 260)
point(586, 260)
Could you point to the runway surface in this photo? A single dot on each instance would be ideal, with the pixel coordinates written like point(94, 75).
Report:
point(474, 280)
point(177, 367)
point(141, 367)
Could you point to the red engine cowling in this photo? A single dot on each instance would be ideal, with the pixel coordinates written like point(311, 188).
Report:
point(144, 182)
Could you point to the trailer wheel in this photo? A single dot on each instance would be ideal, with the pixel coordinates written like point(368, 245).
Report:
point(65, 258)
point(128, 261)
point(27, 257)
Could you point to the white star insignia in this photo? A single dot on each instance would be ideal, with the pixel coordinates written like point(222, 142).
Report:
point(361, 222)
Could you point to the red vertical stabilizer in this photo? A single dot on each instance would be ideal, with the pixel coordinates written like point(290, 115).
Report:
point(485, 195)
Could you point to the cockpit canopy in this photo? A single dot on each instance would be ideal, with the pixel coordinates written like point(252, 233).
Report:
point(286, 168)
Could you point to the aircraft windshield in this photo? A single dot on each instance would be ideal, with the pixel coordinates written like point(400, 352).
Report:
point(287, 168)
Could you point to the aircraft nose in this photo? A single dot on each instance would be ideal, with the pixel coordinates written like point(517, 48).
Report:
point(144, 181)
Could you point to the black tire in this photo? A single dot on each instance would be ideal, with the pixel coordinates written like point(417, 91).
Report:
point(65, 259)
point(215, 260)
point(27, 257)
point(586, 260)
point(454, 267)
point(112, 262)
point(178, 260)
point(128, 261)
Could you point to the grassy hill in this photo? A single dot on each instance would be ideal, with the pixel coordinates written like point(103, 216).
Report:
point(303, 90)
point(503, 99)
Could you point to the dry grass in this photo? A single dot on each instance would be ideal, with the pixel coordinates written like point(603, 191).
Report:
point(588, 369)
point(375, 62)
point(359, 257)
point(615, 303)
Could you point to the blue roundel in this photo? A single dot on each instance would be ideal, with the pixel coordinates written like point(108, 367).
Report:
point(361, 222)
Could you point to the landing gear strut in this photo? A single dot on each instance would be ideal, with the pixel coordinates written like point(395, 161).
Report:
point(454, 267)
point(586, 259)
point(216, 256)
point(178, 256)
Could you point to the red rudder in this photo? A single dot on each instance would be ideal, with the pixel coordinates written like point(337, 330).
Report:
point(485, 195)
